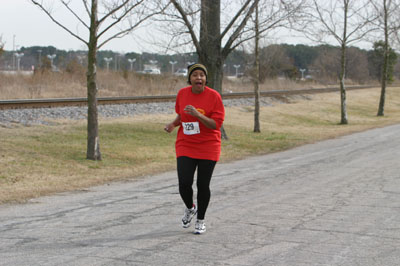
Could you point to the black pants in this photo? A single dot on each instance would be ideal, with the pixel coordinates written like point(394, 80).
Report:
point(186, 167)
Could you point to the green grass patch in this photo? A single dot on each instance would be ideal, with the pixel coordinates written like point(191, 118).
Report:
point(244, 142)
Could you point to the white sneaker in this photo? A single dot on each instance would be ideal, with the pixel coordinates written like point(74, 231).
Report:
point(188, 215)
point(200, 227)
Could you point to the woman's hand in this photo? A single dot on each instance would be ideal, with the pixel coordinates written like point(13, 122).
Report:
point(191, 110)
point(170, 127)
point(206, 121)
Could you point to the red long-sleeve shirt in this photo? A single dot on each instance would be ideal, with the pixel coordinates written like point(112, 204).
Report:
point(207, 143)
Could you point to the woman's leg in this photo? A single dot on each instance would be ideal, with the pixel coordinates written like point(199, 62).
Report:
point(205, 170)
point(186, 167)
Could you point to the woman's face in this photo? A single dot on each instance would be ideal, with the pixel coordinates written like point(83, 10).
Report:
point(198, 79)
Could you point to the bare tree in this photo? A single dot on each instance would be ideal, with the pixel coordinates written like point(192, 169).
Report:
point(256, 77)
point(343, 21)
point(219, 31)
point(110, 20)
point(270, 15)
point(215, 28)
point(389, 24)
point(208, 40)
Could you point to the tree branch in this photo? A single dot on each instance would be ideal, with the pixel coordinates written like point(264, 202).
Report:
point(113, 11)
point(120, 18)
point(229, 26)
point(123, 32)
point(85, 4)
point(58, 23)
point(188, 25)
point(129, 29)
point(227, 48)
point(73, 13)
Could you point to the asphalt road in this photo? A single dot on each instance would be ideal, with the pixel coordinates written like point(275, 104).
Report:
point(335, 202)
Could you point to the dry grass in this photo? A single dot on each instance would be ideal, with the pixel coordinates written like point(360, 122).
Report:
point(64, 85)
point(41, 160)
point(244, 84)
point(42, 85)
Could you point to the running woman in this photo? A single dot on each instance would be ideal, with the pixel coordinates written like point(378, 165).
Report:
point(200, 114)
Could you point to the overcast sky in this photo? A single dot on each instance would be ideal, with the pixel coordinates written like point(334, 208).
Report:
point(24, 24)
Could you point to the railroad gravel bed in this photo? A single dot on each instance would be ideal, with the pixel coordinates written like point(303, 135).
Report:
point(48, 116)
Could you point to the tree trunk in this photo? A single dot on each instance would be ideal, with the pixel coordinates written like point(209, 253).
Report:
point(210, 42)
point(210, 53)
point(256, 77)
point(343, 107)
point(381, 108)
point(93, 147)
point(385, 65)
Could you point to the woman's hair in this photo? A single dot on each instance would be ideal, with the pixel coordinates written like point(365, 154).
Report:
point(194, 67)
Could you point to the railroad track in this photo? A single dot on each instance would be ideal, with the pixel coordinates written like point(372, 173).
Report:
point(62, 102)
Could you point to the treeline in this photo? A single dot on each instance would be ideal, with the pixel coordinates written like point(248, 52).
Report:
point(320, 63)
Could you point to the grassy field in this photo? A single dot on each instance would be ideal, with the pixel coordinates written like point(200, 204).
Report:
point(43, 160)
point(65, 85)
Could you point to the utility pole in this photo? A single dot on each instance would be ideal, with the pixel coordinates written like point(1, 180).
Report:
point(13, 59)
point(18, 57)
point(172, 65)
point(51, 57)
point(131, 61)
point(108, 60)
point(237, 67)
point(80, 58)
point(302, 70)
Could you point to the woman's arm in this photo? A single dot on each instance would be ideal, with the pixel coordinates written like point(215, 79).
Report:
point(170, 127)
point(206, 121)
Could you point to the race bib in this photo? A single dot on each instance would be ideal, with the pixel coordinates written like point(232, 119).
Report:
point(191, 128)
